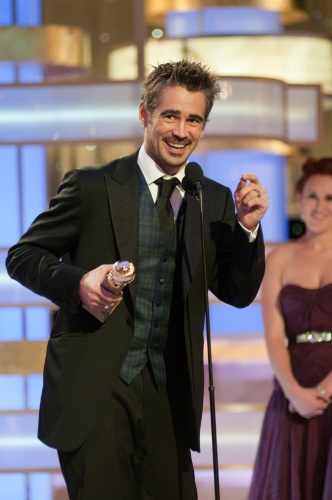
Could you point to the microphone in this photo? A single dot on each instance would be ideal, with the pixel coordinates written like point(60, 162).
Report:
point(193, 179)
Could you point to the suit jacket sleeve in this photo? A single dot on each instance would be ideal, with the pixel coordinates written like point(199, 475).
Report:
point(38, 260)
point(239, 265)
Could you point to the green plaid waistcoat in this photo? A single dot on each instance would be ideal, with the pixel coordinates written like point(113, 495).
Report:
point(156, 265)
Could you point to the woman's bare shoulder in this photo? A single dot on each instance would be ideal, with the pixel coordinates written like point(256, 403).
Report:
point(284, 251)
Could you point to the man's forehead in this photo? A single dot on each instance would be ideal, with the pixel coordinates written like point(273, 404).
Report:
point(178, 100)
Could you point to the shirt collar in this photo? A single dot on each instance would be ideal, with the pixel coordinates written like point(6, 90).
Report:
point(151, 170)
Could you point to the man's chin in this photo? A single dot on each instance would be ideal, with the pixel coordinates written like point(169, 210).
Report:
point(174, 166)
point(176, 160)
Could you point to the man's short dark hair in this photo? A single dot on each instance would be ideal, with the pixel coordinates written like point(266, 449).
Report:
point(192, 76)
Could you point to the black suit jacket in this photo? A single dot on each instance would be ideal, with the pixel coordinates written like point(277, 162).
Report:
point(93, 220)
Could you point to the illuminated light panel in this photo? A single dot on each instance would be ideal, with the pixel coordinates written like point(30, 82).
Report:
point(249, 107)
point(69, 112)
point(10, 227)
point(34, 183)
point(13, 486)
point(222, 21)
point(6, 12)
point(47, 47)
point(304, 114)
point(294, 59)
point(28, 13)
point(12, 393)
point(291, 10)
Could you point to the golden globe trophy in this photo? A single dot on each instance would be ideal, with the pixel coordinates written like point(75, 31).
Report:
point(121, 274)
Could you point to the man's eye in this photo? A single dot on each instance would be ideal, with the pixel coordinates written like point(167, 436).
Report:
point(195, 121)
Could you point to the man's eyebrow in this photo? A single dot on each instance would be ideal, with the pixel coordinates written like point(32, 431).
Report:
point(178, 112)
point(170, 112)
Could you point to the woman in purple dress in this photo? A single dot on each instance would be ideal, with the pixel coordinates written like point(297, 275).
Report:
point(294, 458)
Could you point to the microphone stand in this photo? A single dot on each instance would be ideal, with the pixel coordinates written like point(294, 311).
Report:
point(208, 338)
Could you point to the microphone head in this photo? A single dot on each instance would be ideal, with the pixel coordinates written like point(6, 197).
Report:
point(194, 172)
point(193, 178)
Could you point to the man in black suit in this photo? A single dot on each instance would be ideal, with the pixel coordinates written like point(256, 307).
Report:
point(122, 399)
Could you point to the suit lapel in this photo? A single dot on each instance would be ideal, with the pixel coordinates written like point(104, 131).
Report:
point(192, 248)
point(123, 198)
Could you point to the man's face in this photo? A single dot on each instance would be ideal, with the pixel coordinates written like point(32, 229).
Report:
point(174, 128)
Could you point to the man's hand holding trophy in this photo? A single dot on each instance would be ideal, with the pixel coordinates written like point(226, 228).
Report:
point(118, 276)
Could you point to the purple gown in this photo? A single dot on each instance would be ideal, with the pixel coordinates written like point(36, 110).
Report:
point(294, 457)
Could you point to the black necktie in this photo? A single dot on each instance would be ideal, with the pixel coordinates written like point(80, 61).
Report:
point(163, 205)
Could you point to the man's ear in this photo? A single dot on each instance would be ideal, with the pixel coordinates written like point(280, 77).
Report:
point(143, 115)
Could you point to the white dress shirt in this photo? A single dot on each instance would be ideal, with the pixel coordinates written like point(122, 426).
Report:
point(152, 172)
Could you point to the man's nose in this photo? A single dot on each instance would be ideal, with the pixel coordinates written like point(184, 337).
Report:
point(180, 130)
